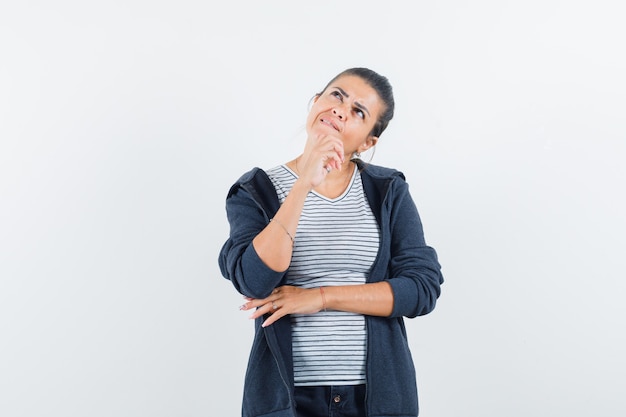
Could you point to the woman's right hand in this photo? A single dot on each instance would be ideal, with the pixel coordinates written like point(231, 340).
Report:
point(322, 154)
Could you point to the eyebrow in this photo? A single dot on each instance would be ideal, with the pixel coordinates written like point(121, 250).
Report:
point(356, 104)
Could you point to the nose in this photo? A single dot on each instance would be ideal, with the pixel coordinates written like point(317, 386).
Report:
point(339, 112)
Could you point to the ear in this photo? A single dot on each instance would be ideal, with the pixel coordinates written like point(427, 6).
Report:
point(313, 100)
point(369, 143)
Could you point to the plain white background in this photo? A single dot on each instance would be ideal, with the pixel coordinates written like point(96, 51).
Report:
point(123, 124)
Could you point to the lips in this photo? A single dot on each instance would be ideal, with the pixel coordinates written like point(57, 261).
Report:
point(331, 123)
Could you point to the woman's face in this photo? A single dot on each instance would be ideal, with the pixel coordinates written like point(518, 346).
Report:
point(348, 109)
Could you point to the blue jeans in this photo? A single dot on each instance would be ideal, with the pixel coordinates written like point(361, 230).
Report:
point(330, 401)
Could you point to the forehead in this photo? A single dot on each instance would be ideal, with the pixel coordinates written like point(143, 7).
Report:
point(358, 90)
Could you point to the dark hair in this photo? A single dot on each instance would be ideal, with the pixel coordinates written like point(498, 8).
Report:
point(383, 89)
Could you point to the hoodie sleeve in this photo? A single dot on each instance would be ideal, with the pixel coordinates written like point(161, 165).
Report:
point(415, 272)
point(238, 260)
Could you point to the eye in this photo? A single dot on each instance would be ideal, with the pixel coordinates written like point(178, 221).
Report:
point(359, 113)
point(337, 95)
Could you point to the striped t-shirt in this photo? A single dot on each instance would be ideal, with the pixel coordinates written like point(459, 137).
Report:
point(336, 243)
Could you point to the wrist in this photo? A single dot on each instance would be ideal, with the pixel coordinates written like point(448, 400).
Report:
point(323, 298)
point(301, 186)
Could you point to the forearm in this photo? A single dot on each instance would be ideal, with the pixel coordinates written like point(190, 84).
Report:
point(274, 244)
point(370, 299)
point(374, 299)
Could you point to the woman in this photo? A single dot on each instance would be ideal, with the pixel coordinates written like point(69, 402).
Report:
point(330, 256)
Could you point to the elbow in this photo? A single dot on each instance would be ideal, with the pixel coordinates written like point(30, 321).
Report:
point(253, 285)
point(415, 297)
point(428, 294)
point(427, 306)
point(249, 275)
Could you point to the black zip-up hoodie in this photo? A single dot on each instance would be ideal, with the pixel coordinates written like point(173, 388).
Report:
point(404, 261)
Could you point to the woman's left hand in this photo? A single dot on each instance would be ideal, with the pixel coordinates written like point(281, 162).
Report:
point(285, 300)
